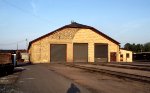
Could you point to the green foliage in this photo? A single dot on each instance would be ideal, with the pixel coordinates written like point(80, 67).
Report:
point(147, 47)
point(138, 47)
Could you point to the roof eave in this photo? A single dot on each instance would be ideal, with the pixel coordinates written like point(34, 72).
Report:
point(69, 26)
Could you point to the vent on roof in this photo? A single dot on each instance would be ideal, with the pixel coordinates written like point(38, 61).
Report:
point(73, 22)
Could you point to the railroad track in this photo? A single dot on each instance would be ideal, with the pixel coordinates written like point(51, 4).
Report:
point(119, 74)
point(126, 66)
point(140, 64)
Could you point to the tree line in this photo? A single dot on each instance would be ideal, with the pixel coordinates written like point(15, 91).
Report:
point(138, 47)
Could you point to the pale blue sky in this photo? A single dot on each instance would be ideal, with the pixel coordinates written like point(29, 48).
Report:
point(123, 20)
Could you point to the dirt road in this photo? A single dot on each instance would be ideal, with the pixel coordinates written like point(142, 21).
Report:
point(100, 83)
point(39, 79)
point(59, 78)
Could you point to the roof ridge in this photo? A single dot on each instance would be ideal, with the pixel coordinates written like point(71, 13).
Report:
point(75, 25)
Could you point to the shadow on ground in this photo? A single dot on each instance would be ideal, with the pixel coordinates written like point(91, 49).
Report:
point(18, 68)
point(7, 81)
point(73, 89)
point(21, 64)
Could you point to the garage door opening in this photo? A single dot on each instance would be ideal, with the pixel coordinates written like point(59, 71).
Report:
point(57, 52)
point(101, 52)
point(80, 52)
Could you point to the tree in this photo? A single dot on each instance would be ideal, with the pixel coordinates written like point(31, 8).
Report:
point(138, 47)
point(147, 47)
point(128, 46)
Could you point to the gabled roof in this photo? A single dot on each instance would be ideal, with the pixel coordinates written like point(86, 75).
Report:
point(75, 25)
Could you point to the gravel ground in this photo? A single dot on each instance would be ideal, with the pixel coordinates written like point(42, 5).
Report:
point(93, 81)
point(100, 83)
point(8, 82)
point(9, 88)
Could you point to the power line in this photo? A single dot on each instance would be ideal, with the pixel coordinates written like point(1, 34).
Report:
point(13, 43)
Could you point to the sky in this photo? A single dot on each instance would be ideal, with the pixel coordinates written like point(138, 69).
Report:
point(21, 21)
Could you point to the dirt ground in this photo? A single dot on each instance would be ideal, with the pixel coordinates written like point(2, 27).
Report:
point(8, 82)
point(39, 79)
point(100, 83)
point(34, 77)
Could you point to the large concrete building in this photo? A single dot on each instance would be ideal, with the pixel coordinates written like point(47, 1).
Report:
point(74, 43)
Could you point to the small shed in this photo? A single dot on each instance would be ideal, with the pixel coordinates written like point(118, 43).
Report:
point(125, 55)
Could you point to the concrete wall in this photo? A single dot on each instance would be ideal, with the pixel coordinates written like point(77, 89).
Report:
point(125, 58)
point(40, 50)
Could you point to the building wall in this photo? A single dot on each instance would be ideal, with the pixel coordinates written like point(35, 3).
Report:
point(91, 37)
point(25, 56)
point(125, 58)
point(40, 50)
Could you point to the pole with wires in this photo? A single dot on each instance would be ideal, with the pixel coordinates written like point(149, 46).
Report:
point(26, 45)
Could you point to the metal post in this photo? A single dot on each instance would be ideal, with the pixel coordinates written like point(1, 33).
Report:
point(26, 44)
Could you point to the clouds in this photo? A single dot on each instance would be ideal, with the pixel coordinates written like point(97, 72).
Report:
point(33, 4)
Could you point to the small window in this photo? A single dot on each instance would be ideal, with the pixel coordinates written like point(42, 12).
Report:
point(127, 55)
point(121, 55)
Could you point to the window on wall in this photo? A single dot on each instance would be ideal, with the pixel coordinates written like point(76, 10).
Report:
point(127, 55)
point(121, 55)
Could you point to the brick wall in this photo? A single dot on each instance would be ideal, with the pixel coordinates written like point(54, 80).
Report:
point(5, 58)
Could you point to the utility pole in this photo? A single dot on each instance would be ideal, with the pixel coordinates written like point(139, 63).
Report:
point(17, 53)
point(26, 44)
point(17, 46)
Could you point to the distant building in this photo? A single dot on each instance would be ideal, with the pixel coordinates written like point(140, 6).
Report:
point(141, 57)
point(8, 51)
point(25, 57)
point(125, 55)
point(74, 43)
point(21, 55)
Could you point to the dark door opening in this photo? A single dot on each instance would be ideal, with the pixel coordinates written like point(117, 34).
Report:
point(101, 52)
point(58, 52)
point(80, 52)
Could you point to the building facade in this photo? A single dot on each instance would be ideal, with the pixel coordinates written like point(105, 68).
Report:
point(125, 55)
point(74, 43)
